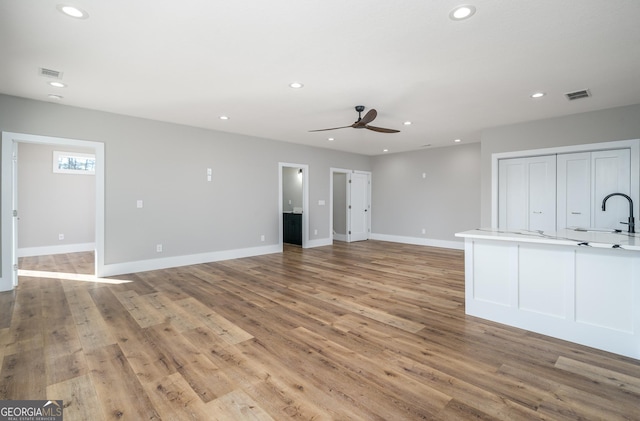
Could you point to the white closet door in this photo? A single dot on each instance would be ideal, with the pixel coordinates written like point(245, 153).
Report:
point(527, 193)
point(574, 190)
point(611, 173)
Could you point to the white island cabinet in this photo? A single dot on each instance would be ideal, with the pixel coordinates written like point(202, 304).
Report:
point(580, 286)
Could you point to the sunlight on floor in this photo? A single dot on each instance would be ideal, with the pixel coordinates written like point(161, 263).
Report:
point(70, 276)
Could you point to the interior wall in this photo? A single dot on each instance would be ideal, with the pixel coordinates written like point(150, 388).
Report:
point(291, 189)
point(51, 203)
point(437, 190)
point(621, 123)
point(164, 165)
point(340, 203)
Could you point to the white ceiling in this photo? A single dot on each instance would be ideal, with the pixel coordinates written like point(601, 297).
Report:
point(189, 62)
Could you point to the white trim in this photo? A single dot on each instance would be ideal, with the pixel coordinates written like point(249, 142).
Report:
point(9, 276)
point(458, 245)
point(61, 249)
point(320, 242)
point(633, 144)
point(340, 237)
point(193, 259)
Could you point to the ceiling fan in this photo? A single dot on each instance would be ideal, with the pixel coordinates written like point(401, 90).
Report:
point(363, 122)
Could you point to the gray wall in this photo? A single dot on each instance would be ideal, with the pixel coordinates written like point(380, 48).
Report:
point(445, 201)
point(291, 189)
point(52, 203)
point(621, 123)
point(340, 203)
point(165, 165)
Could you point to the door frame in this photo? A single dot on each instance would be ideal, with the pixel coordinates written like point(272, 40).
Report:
point(305, 202)
point(9, 273)
point(333, 171)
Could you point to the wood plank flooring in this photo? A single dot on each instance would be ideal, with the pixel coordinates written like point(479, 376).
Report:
point(361, 331)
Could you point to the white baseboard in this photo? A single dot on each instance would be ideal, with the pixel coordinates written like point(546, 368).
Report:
point(193, 259)
point(60, 249)
point(458, 245)
point(318, 243)
point(340, 237)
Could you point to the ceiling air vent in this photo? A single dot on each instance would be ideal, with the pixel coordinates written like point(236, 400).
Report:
point(572, 96)
point(50, 73)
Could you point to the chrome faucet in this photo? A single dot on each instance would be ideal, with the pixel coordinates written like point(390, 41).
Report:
point(631, 223)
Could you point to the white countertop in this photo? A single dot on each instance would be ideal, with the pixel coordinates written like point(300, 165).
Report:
point(569, 237)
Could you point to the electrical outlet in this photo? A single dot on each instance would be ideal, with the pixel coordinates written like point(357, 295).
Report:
point(315, 232)
point(60, 236)
point(262, 238)
point(159, 248)
point(424, 230)
point(139, 204)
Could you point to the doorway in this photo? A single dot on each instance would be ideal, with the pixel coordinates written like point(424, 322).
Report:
point(10, 211)
point(293, 213)
point(350, 217)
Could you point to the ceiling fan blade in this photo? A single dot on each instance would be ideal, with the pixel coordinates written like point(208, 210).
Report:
point(368, 118)
point(381, 129)
point(333, 128)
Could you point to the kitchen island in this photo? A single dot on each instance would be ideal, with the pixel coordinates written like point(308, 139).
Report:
point(578, 285)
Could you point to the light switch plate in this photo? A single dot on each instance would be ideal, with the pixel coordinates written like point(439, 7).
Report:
point(139, 203)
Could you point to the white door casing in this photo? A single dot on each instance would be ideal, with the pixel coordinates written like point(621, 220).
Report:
point(8, 277)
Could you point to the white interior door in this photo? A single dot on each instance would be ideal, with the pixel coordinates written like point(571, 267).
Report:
point(574, 190)
point(358, 206)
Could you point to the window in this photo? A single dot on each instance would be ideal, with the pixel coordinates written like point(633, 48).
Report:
point(74, 163)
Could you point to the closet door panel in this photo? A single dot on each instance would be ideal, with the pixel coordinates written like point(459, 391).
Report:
point(574, 190)
point(611, 173)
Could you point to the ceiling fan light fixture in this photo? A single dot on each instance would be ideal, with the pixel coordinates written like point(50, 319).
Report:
point(72, 11)
point(464, 11)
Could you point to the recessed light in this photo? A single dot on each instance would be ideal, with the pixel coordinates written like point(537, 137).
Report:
point(331, 139)
point(57, 84)
point(427, 145)
point(54, 96)
point(296, 85)
point(461, 12)
point(224, 117)
point(457, 140)
point(72, 11)
point(538, 95)
point(407, 123)
point(385, 150)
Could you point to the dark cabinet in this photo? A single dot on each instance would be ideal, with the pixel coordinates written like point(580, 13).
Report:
point(292, 228)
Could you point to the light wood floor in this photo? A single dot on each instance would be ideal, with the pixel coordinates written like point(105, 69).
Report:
point(361, 331)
